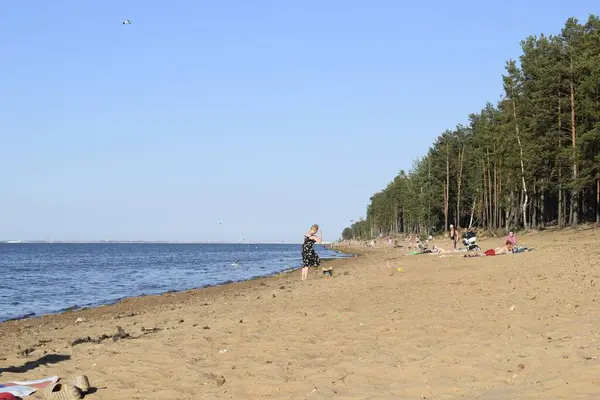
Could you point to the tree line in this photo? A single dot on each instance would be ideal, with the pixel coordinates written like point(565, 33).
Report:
point(528, 161)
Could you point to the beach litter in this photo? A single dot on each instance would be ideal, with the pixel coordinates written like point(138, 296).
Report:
point(25, 352)
point(149, 330)
point(27, 388)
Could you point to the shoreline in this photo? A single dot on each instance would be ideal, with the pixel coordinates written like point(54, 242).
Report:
point(104, 303)
point(165, 298)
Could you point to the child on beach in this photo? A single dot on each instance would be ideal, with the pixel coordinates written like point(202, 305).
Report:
point(310, 258)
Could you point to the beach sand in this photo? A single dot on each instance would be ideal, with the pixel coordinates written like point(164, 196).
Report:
point(506, 327)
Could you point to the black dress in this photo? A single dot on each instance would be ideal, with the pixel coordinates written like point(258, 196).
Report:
point(310, 258)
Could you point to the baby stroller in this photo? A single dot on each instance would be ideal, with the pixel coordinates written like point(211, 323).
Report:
point(470, 240)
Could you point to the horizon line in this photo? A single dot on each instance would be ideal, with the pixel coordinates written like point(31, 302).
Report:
point(141, 242)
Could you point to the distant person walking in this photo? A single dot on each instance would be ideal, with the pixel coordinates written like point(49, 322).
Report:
point(310, 258)
point(453, 235)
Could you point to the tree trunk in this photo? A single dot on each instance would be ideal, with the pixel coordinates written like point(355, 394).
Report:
point(571, 210)
point(395, 222)
point(509, 211)
point(496, 220)
point(561, 216)
point(560, 202)
point(429, 192)
point(565, 202)
point(447, 187)
point(473, 213)
point(461, 157)
point(490, 197)
point(534, 217)
point(498, 215)
point(598, 201)
point(543, 208)
point(525, 198)
point(574, 192)
point(484, 198)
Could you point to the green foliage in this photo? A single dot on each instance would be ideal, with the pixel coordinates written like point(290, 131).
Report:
point(529, 160)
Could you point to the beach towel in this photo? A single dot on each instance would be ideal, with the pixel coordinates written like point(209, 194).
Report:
point(26, 388)
point(7, 396)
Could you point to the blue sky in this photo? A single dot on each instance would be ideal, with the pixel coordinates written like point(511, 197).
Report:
point(266, 115)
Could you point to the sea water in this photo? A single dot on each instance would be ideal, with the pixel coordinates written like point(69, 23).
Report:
point(45, 278)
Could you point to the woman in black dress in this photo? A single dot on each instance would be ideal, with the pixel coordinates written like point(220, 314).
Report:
point(310, 258)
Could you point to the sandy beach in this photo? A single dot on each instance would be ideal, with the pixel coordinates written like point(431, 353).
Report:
point(506, 327)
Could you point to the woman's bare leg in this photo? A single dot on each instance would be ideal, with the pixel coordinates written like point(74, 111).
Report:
point(304, 273)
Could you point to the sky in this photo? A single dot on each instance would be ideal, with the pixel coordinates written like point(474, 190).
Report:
point(267, 116)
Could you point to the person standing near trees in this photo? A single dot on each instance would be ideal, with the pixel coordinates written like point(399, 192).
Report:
point(310, 258)
point(453, 235)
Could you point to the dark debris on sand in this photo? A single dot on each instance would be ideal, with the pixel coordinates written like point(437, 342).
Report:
point(120, 334)
point(218, 380)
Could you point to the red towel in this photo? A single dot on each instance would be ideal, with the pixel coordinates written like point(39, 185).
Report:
point(7, 396)
point(490, 252)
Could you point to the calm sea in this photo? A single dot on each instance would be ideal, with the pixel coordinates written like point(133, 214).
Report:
point(37, 279)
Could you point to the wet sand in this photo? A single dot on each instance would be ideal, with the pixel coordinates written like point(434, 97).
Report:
point(506, 327)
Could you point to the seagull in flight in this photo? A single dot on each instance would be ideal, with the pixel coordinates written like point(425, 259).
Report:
point(127, 22)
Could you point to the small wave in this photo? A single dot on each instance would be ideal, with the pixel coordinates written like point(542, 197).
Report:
point(70, 308)
point(20, 317)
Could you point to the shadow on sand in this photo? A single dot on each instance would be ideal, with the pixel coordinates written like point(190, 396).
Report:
point(29, 365)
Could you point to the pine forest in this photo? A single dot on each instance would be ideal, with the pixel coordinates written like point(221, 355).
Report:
point(529, 161)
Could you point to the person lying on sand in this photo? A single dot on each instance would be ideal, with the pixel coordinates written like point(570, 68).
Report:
point(439, 250)
point(434, 250)
point(506, 249)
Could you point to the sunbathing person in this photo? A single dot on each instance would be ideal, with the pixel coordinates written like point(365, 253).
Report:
point(506, 249)
point(439, 250)
point(434, 250)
